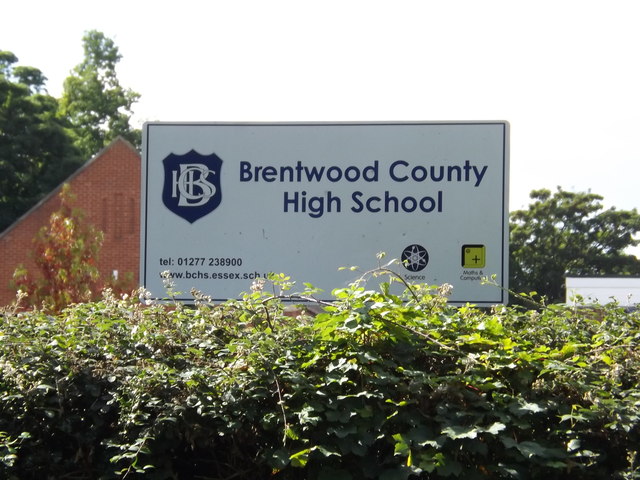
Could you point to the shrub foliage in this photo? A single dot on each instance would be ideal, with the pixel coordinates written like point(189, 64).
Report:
point(66, 253)
point(376, 385)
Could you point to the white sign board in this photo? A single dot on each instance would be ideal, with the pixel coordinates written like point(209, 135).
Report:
point(624, 290)
point(224, 203)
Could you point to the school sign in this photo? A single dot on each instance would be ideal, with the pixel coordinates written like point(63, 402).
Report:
point(226, 203)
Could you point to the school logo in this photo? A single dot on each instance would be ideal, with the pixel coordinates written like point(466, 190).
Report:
point(192, 184)
point(415, 258)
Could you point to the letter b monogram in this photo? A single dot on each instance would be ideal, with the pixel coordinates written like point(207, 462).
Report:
point(192, 184)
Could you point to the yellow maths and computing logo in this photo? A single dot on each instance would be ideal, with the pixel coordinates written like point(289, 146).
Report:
point(473, 256)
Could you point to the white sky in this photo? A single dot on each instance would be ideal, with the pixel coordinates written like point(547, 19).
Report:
point(564, 73)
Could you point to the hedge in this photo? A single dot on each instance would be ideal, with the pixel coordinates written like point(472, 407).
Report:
point(377, 385)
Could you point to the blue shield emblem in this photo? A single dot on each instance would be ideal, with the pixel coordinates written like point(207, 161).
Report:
point(192, 184)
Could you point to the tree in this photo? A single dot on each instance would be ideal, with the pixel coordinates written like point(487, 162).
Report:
point(98, 107)
point(567, 233)
point(36, 150)
point(66, 253)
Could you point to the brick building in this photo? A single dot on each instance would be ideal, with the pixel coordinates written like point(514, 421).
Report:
point(107, 189)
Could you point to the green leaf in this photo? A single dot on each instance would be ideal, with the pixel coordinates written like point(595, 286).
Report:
point(495, 428)
point(573, 417)
point(401, 446)
point(300, 459)
point(291, 433)
point(457, 432)
point(607, 359)
point(325, 451)
point(279, 459)
point(523, 408)
point(574, 444)
point(531, 449)
point(44, 386)
point(343, 431)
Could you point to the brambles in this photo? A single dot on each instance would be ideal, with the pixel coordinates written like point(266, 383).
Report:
point(377, 385)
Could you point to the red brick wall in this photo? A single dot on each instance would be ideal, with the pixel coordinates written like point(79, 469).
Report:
point(107, 188)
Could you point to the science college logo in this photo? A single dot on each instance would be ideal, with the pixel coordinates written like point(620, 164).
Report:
point(415, 258)
point(192, 184)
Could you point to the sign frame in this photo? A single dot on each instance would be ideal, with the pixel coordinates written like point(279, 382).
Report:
point(260, 173)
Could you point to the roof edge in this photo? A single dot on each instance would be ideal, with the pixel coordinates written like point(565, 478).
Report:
point(78, 171)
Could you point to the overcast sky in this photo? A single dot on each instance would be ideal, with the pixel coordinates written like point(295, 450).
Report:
point(564, 73)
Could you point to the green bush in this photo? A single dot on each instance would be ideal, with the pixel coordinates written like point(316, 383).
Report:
point(376, 385)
